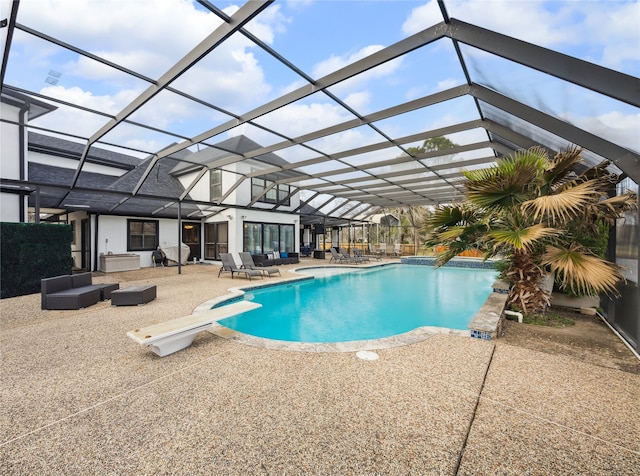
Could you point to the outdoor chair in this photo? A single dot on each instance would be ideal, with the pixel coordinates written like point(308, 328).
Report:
point(374, 253)
point(337, 257)
point(360, 256)
point(248, 263)
point(229, 266)
point(352, 259)
point(158, 258)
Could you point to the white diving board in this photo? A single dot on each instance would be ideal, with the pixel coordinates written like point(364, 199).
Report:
point(174, 335)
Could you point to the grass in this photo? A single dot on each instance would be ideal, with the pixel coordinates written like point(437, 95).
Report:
point(549, 319)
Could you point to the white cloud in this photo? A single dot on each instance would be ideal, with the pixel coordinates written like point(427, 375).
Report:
point(148, 37)
point(356, 84)
point(616, 27)
point(447, 84)
point(505, 17)
point(621, 129)
point(358, 100)
point(111, 104)
point(422, 17)
point(334, 63)
point(607, 31)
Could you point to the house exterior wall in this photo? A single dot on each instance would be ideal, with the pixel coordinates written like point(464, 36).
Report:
point(200, 190)
point(112, 236)
point(236, 225)
point(108, 233)
point(65, 163)
point(10, 163)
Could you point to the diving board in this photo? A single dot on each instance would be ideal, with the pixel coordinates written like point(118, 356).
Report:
point(174, 335)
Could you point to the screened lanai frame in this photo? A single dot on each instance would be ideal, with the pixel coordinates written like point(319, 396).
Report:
point(349, 184)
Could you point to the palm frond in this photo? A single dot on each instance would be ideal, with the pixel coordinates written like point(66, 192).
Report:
point(452, 233)
point(452, 215)
point(444, 216)
point(508, 182)
point(596, 171)
point(522, 238)
point(582, 272)
point(561, 166)
point(613, 208)
point(562, 206)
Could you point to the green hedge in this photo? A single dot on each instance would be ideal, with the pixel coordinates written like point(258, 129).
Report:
point(30, 252)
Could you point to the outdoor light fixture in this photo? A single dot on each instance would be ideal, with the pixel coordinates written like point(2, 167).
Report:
point(72, 205)
point(230, 217)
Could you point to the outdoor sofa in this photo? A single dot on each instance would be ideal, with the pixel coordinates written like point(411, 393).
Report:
point(275, 259)
point(73, 291)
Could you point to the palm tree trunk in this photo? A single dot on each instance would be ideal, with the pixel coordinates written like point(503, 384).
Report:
point(526, 293)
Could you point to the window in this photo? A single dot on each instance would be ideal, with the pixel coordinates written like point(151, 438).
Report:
point(276, 194)
point(142, 235)
point(257, 186)
point(265, 237)
point(287, 238)
point(283, 192)
point(271, 240)
point(216, 239)
point(215, 185)
point(252, 238)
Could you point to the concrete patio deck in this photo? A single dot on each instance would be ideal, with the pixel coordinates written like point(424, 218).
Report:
point(79, 397)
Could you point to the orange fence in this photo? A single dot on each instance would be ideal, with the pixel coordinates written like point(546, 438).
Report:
point(468, 253)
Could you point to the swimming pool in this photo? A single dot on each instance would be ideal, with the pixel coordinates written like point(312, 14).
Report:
point(364, 304)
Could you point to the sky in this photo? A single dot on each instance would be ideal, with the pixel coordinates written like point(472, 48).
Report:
point(318, 37)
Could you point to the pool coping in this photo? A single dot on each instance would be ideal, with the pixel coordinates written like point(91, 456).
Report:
point(486, 323)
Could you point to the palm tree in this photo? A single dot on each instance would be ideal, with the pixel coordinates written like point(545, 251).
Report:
point(527, 210)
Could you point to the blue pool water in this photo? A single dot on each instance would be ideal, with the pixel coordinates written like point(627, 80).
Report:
point(366, 304)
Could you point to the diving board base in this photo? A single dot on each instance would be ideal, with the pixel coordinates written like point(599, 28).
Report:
point(171, 336)
point(177, 342)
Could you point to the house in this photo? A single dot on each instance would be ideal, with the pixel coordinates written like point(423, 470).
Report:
point(121, 204)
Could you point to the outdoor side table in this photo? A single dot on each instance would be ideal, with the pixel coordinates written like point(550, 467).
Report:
point(133, 296)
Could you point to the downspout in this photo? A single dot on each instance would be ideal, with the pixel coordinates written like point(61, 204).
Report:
point(22, 156)
point(95, 244)
point(179, 236)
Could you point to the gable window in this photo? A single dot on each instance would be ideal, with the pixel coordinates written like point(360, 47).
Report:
point(142, 235)
point(275, 194)
point(215, 185)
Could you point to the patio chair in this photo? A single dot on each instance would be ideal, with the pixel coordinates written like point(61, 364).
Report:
point(337, 257)
point(359, 255)
point(374, 253)
point(158, 258)
point(248, 263)
point(229, 266)
point(397, 250)
point(347, 256)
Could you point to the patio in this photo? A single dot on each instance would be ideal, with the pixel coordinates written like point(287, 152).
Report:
point(79, 397)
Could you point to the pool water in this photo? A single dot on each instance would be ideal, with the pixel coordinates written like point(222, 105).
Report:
point(366, 304)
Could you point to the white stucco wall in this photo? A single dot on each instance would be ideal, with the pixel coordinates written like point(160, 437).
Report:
point(46, 159)
point(239, 216)
point(112, 236)
point(9, 162)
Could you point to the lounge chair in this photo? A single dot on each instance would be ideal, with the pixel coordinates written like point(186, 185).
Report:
point(359, 255)
point(229, 266)
point(353, 259)
point(374, 253)
point(247, 263)
point(338, 258)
